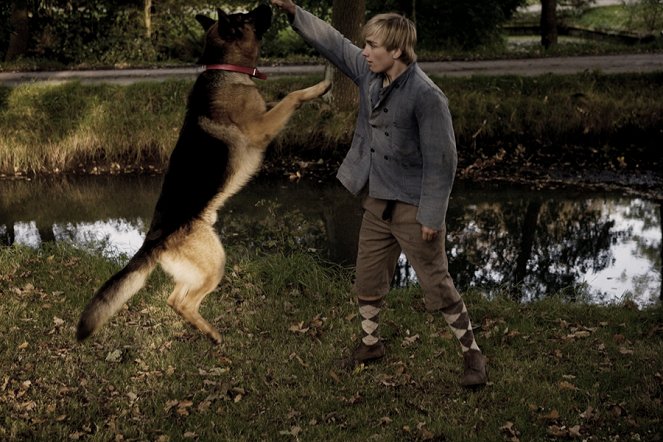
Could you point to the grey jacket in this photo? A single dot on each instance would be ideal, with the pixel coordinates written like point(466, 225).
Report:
point(404, 145)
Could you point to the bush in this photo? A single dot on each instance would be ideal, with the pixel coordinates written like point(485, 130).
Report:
point(111, 32)
point(450, 23)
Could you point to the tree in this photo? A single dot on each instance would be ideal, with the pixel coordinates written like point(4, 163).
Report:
point(19, 37)
point(460, 24)
point(148, 18)
point(548, 23)
point(348, 19)
point(527, 240)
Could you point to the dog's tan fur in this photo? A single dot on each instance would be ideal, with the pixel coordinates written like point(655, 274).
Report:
point(229, 123)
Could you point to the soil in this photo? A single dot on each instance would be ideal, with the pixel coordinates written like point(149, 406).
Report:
point(642, 178)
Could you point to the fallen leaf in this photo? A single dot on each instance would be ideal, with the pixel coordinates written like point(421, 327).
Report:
point(185, 404)
point(574, 431)
point(581, 334)
point(385, 420)
point(589, 413)
point(616, 410)
point(409, 341)
point(203, 407)
point(557, 431)
point(114, 356)
point(170, 404)
point(510, 431)
point(564, 385)
point(28, 406)
point(298, 328)
point(553, 415)
point(294, 431)
point(625, 351)
point(619, 338)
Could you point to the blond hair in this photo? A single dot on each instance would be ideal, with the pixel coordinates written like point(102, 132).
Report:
point(393, 31)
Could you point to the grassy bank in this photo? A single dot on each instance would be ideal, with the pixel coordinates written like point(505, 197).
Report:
point(76, 127)
point(558, 370)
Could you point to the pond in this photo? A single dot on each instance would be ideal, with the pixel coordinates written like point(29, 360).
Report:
point(527, 243)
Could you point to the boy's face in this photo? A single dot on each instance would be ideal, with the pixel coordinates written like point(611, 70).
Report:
point(378, 57)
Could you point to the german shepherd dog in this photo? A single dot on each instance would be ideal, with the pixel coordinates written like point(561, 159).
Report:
point(226, 131)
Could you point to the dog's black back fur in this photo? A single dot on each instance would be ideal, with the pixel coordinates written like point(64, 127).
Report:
point(197, 170)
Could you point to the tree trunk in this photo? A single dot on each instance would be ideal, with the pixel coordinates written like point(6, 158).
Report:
point(19, 39)
point(548, 23)
point(527, 241)
point(148, 18)
point(348, 19)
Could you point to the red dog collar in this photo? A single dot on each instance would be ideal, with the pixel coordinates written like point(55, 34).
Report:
point(233, 68)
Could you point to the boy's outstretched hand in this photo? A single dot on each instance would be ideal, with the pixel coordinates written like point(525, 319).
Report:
point(285, 5)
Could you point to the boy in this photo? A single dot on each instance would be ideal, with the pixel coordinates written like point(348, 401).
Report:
point(403, 155)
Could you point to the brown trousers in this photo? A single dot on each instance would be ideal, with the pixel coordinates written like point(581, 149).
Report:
point(380, 244)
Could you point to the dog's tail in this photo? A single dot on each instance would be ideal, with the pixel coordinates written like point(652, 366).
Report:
point(116, 292)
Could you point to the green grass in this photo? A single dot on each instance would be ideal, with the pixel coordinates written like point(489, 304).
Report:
point(74, 127)
point(641, 19)
point(555, 368)
point(634, 18)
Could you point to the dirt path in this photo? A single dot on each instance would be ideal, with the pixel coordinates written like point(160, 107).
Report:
point(532, 66)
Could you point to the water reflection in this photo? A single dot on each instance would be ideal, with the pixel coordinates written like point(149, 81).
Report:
point(529, 244)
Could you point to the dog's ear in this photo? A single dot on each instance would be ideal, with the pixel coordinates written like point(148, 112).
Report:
point(225, 28)
point(262, 17)
point(205, 21)
point(224, 20)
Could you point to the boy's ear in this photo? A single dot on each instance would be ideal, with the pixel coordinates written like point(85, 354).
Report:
point(396, 54)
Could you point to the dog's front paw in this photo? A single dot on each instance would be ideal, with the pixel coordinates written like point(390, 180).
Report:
point(324, 86)
point(314, 91)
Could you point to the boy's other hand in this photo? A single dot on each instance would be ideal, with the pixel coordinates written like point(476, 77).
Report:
point(428, 234)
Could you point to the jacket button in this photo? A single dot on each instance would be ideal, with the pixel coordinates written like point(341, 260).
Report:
point(386, 157)
point(386, 133)
point(386, 110)
point(372, 150)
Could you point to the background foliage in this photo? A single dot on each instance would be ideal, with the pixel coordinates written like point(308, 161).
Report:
point(112, 32)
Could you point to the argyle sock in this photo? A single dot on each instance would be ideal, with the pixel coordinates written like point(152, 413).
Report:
point(459, 321)
point(369, 315)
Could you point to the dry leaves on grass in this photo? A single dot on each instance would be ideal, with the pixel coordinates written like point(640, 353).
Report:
point(312, 328)
point(409, 341)
point(565, 432)
point(510, 432)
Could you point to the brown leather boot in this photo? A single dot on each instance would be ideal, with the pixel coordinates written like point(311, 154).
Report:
point(363, 353)
point(475, 369)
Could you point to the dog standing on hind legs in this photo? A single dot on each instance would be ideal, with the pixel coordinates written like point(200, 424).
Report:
point(226, 131)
